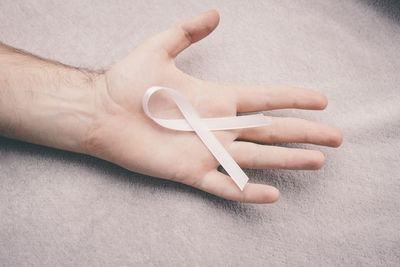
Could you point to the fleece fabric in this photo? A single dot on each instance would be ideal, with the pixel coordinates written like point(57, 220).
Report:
point(64, 209)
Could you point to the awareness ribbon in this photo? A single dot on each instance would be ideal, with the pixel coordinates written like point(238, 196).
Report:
point(203, 128)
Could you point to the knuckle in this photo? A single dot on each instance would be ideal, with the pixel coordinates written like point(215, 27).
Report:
point(186, 34)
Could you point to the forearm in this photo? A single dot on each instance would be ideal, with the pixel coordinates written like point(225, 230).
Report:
point(44, 102)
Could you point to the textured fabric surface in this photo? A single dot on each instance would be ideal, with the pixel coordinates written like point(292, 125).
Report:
point(60, 208)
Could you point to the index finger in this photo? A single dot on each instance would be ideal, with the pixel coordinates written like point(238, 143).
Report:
point(259, 98)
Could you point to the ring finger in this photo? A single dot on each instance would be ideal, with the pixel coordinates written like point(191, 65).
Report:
point(255, 156)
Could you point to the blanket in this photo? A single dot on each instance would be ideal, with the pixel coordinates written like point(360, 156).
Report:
point(60, 208)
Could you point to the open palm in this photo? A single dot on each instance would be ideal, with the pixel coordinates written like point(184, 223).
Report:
point(123, 134)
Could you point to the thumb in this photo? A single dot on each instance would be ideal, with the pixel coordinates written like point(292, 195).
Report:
point(180, 36)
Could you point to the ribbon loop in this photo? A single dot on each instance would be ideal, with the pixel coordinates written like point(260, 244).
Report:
point(203, 128)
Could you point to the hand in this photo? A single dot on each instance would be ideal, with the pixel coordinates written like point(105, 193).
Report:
point(123, 134)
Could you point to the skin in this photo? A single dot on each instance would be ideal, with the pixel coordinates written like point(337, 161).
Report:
point(100, 114)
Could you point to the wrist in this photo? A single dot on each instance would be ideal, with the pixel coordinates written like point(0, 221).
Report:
point(54, 112)
point(76, 112)
point(46, 102)
point(67, 114)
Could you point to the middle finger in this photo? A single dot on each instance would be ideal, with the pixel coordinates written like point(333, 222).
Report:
point(292, 130)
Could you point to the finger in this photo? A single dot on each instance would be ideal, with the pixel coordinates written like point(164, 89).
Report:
point(221, 185)
point(293, 130)
point(255, 156)
point(258, 98)
point(180, 36)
